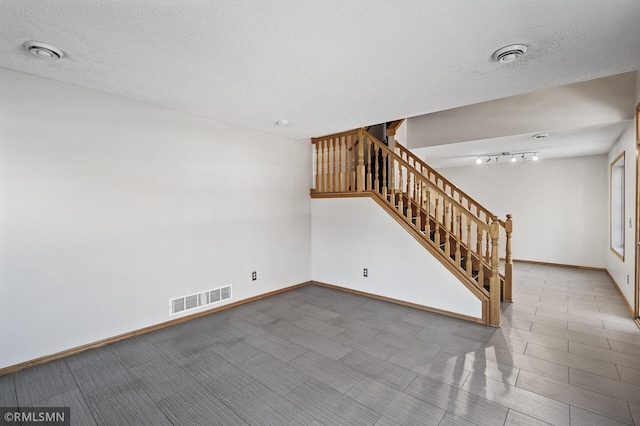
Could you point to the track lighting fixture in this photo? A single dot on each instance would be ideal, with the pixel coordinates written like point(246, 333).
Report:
point(486, 158)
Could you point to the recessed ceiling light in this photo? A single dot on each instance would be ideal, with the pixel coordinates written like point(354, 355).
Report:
point(540, 136)
point(509, 53)
point(42, 50)
point(282, 123)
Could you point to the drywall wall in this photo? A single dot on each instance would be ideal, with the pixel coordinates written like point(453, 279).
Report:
point(559, 206)
point(401, 133)
point(620, 269)
point(110, 207)
point(350, 234)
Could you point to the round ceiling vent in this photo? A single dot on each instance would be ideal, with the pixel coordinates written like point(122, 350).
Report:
point(509, 53)
point(42, 50)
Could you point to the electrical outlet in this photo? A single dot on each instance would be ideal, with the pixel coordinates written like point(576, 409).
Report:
point(254, 276)
point(259, 275)
point(365, 272)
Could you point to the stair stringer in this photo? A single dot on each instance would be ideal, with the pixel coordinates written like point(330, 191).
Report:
point(458, 275)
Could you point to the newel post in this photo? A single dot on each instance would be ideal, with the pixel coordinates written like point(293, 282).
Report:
point(360, 167)
point(494, 281)
point(318, 164)
point(508, 267)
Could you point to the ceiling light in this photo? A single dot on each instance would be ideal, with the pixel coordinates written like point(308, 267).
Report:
point(512, 157)
point(509, 53)
point(540, 136)
point(42, 50)
point(282, 123)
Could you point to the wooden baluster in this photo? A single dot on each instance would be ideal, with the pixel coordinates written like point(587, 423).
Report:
point(409, 196)
point(408, 188)
point(385, 166)
point(392, 181)
point(479, 241)
point(458, 231)
point(368, 159)
point(419, 210)
point(414, 194)
point(480, 257)
point(336, 165)
point(487, 254)
point(316, 148)
point(427, 214)
point(353, 161)
point(469, 259)
point(436, 238)
point(340, 162)
point(453, 227)
point(323, 165)
point(376, 168)
point(508, 267)
point(400, 194)
point(447, 229)
point(494, 281)
point(360, 170)
point(330, 165)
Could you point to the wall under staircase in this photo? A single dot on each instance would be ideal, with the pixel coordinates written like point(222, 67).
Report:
point(350, 234)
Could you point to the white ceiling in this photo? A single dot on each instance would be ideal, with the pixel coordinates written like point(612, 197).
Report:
point(326, 66)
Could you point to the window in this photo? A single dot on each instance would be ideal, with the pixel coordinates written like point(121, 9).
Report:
point(616, 233)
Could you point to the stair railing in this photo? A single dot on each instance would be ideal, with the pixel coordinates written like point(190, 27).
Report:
point(471, 204)
point(355, 161)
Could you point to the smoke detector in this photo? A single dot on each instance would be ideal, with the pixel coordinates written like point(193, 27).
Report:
point(509, 53)
point(42, 50)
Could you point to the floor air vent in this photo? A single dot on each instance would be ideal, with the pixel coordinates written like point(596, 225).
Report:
point(193, 301)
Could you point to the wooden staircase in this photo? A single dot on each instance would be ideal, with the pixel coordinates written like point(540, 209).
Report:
point(453, 227)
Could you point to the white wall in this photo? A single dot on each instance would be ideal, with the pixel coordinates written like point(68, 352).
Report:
point(401, 133)
point(618, 268)
point(110, 207)
point(559, 206)
point(349, 234)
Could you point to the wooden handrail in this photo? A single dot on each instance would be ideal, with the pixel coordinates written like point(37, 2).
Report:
point(440, 191)
point(446, 182)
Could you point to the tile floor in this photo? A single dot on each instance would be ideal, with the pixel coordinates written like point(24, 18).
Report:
point(567, 354)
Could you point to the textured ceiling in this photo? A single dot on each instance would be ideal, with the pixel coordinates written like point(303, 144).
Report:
point(325, 66)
